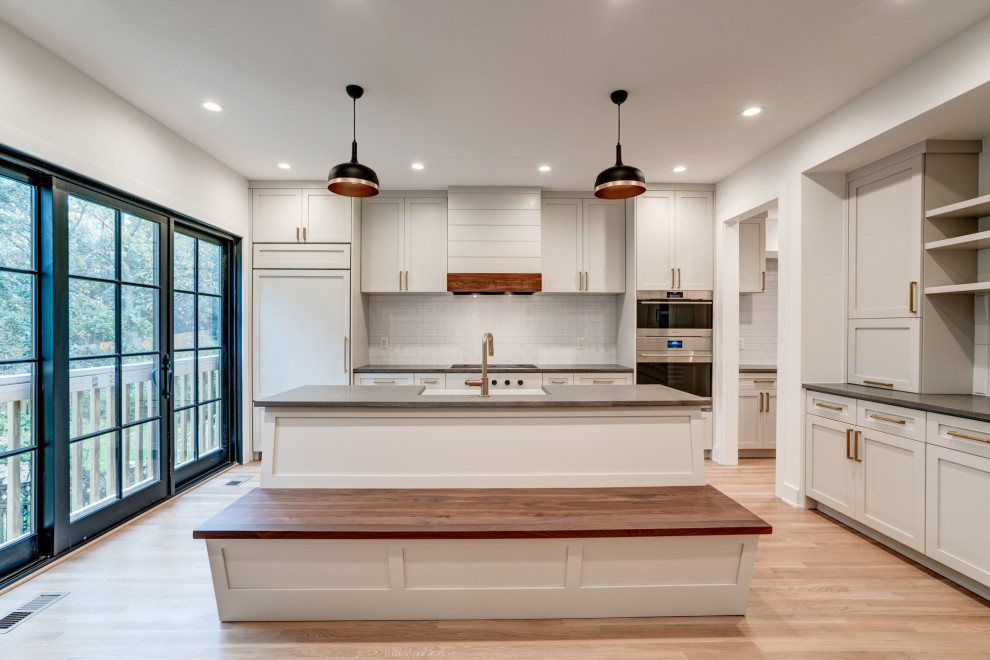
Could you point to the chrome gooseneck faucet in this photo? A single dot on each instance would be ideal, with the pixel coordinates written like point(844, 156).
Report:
point(487, 348)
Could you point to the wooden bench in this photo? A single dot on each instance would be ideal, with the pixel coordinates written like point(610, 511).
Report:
point(453, 553)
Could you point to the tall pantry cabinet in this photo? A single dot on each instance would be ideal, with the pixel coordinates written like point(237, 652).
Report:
point(898, 337)
point(301, 291)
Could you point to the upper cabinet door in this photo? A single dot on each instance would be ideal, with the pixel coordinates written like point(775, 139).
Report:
point(326, 217)
point(654, 240)
point(382, 229)
point(276, 215)
point(563, 267)
point(886, 210)
point(694, 241)
point(604, 246)
point(752, 256)
point(425, 268)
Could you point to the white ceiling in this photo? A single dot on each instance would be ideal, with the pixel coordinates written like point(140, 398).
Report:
point(483, 92)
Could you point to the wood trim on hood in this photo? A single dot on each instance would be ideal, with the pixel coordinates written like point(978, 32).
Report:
point(495, 282)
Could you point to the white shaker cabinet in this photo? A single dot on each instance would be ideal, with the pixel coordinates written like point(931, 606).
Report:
point(758, 411)
point(885, 353)
point(675, 240)
point(404, 245)
point(293, 215)
point(752, 256)
point(583, 245)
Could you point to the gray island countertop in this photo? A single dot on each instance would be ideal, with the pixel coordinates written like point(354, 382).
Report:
point(408, 396)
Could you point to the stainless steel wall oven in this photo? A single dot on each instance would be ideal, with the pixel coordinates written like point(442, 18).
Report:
point(674, 340)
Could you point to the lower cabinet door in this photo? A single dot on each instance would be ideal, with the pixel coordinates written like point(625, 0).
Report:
point(750, 414)
point(830, 473)
point(958, 511)
point(892, 486)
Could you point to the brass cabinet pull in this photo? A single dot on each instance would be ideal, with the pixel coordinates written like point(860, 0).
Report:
point(968, 437)
point(384, 382)
point(848, 443)
point(913, 289)
point(673, 282)
point(580, 280)
point(407, 280)
point(888, 419)
point(764, 380)
point(764, 280)
point(430, 381)
point(304, 234)
point(608, 381)
point(400, 280)
point(558, 381)
point(874, 382)
point(587, 281)
point(856, 457)
point(345, 354)
point(761, 401)
point(768, 402)
point(825, 405)
point(297, 233)
point(678, 278)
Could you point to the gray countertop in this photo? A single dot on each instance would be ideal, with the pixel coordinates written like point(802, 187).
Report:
point(493, 369)
point(960, 405)
point(408, 396)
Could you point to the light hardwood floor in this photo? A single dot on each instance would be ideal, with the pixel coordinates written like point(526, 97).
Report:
point(819, 590)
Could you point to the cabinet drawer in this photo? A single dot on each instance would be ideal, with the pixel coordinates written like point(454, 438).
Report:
point(287, 256)
point(885, 353)
point(558, 379)
point(432, 381)
point(384, 379)
point(895, 420)
point(760, 382)
point(603, 379)
point(966, 435)
point(832, 406)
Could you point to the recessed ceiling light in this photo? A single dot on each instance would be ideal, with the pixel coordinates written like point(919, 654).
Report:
point(680, 168)
point(212, 107)
point(284, 166)
point(544, 168)
point(749, 112)
point(417, 166)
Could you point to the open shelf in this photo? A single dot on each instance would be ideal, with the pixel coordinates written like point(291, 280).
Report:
point(977, 287)
point(977, 241)
point(971, 208)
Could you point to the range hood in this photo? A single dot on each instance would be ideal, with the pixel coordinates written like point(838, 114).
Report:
point(491, 283)
point(493, 240)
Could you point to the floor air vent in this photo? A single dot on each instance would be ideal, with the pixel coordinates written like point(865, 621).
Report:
point(28, 610)
point(238, 481)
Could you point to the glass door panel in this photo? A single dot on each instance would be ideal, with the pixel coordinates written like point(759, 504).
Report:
point(18, 372)
point(199, 328)
point(115, 355)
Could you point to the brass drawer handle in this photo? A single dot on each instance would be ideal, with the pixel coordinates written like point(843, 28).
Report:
point(608, 381)
point(888, 419)
point(768, 380)
point(384, 382)
point(968, 437)
point(825, 405)
point(558, 381)
point(874, 382)
point(430, 381)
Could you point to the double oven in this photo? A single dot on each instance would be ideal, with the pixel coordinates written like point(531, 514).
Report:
point(674, 340)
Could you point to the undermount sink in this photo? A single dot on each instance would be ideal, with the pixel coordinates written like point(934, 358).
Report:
point(477, 392)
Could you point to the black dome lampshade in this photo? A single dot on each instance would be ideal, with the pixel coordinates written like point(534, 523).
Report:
point(619, 181)
point(352, 179)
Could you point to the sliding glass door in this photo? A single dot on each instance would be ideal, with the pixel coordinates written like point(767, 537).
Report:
point(18, 370)
point(113, 412)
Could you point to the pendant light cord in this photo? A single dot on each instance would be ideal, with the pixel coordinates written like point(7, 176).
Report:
point(618, 137)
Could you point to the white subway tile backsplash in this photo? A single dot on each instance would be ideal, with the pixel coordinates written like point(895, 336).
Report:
point(441, 329)
point(758, 322)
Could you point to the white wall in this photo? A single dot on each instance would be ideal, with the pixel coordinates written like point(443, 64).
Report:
point(958, 67)
point(444, 329)
point(758, 322)
point(53, 111)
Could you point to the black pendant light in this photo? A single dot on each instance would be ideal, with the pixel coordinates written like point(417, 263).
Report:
point(619, 181)
point(353, 179)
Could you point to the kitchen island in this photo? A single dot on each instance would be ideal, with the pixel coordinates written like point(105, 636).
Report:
point(409, 437)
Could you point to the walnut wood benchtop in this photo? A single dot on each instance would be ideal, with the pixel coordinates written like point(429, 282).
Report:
point(480, 513)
